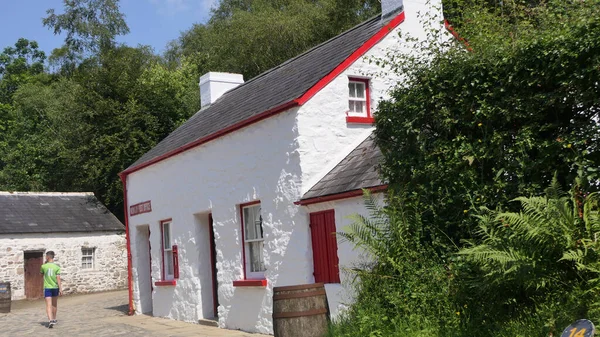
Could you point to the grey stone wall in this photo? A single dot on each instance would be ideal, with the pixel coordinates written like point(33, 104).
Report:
point(110, 260)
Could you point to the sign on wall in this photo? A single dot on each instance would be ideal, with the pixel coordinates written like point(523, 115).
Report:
point(142, 207)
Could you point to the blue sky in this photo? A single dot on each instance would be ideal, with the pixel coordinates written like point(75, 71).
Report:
point(151, 22)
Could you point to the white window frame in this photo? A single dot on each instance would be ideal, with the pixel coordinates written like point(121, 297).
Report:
point(364, 83)
point(257, 240)
point(167, 249)
point(92, 257)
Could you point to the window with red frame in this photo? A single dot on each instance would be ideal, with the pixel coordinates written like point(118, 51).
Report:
point(359, 101)
point(253, 241)
point(324, 244)
point(168, 272)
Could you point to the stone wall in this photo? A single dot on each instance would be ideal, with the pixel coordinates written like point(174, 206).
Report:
point(110, 260)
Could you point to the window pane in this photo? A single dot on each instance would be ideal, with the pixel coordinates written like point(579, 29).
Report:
point(252, 223)
point(359, 107)
point(256, 256)
point(167, 235)
point(351, 89)
point(360, 90)
point(169, 262)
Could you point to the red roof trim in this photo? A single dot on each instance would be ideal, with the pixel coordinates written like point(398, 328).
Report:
point(456, 35)
point(338, 196)
point(352, 58)
point(373, 40)
point(215, 135)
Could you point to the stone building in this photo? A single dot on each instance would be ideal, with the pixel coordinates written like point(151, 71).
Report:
point(88, 240)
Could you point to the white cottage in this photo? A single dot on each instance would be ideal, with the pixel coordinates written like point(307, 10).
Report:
point(88, 240)
point(245, 195)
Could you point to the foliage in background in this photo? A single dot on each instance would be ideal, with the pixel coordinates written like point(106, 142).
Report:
point(250, 37)
point(74, 123)
point(487, 126)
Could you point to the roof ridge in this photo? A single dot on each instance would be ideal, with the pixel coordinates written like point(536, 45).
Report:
point(266, 72)
point(48, 193)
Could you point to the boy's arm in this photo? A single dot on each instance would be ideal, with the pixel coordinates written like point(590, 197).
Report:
point(59, 284)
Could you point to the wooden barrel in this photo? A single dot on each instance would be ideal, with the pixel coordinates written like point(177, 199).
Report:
point(300, 311)
point(5, 297)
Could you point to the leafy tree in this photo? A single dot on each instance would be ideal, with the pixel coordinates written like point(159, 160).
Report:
point(250, 37)
point(18, 65)
point(488, 126)
point(91, 27)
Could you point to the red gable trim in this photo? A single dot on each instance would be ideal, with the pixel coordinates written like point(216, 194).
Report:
point(352, 58)
point(456, 35)
point(372, 41)
point(338, 196)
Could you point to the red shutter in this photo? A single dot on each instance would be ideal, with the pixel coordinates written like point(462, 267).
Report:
point(331, 239)
point(324, 246)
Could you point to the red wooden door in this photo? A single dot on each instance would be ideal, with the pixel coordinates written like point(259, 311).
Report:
point(34, 280)
point(324, 244)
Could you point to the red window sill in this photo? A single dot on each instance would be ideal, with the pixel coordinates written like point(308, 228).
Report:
point(250, 283)
point(165, 283)
point(360, 120)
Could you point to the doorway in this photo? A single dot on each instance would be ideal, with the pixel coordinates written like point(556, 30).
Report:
point(207, 273)
point(213, 265)
point(34, 280)
point(143, 265)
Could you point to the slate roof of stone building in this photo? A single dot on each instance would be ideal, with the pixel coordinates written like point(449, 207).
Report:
point(360, 169)
point(272, 89)
point(30, 212)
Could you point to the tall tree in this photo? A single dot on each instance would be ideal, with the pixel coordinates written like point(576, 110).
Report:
point(18, 65)
point(91, 27)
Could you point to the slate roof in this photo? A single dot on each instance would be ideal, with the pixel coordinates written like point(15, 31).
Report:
point(275, 87)
point(30, 212)
point(360, 169)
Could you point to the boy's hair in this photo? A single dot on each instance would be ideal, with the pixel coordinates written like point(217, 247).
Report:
point(50, 253)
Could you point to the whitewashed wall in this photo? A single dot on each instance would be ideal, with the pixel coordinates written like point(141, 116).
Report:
point(274, 161)
point(325, 137)
point(109, 273)
point(259, 162)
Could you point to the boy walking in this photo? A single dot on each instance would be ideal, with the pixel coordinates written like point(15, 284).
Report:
point(52, 287)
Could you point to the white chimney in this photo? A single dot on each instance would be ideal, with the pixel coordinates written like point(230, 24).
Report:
point(391, 7)
point(213, 85)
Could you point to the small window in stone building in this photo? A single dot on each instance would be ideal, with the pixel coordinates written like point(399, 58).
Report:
point(87, 258)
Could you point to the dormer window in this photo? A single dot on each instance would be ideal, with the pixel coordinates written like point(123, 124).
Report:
point(359, 101)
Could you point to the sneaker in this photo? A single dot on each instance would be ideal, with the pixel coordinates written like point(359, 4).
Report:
point(51, 324)
point(55, 321)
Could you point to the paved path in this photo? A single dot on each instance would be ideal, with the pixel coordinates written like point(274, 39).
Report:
point(102, 314)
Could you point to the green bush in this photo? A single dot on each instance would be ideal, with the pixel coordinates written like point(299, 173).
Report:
point(529, 273)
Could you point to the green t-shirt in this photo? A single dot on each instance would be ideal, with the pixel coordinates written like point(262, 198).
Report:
point(50, 270)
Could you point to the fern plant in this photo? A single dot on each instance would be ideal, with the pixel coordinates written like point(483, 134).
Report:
point(548, 253)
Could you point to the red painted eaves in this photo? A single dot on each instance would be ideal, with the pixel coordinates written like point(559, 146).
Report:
point(339, 196)
point(456, 35)
point(352, 58)
point(372, 41)
point(215, 135)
